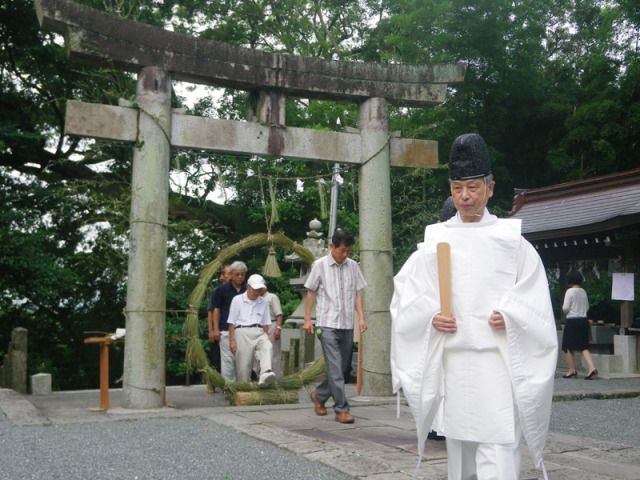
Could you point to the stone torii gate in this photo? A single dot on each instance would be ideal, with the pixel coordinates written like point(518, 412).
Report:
point(158, 56)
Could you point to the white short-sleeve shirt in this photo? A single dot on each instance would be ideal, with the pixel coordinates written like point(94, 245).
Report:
point(249, 312)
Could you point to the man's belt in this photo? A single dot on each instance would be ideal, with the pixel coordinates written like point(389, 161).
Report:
point(249, 326)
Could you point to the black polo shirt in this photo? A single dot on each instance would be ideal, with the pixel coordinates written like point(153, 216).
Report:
point(221, 298)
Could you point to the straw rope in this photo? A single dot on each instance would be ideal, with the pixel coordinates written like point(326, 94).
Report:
point(196, 356)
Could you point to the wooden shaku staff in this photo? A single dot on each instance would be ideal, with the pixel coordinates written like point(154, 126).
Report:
point(443, 251)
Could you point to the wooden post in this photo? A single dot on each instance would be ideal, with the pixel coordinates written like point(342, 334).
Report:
point(104, 343)
point(626, 307)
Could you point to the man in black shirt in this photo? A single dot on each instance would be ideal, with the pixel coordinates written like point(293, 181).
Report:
point(214, 347)
point(221, 303)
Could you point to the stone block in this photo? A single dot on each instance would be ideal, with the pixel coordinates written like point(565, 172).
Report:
point(41, 384)
point(307, 349)
point(625, 346)
point(294, 355)
point(18, 371)
point(286, 335)
point(607, 363)
point(602, 335)
point(15, 362)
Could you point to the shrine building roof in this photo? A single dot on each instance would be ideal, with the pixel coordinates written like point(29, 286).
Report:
point(579, 210)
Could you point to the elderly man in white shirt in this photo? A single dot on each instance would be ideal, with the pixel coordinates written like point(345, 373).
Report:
point(249, 321)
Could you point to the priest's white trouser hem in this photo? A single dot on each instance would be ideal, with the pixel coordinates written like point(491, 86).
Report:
point(482, 461)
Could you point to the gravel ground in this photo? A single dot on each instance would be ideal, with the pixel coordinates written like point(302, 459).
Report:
point(192, 448)
point(609, 419)
point(601, 385)
point(613, 420)
point(147, 449)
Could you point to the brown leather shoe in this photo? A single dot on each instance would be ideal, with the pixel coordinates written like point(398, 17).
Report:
point(318, 407)
point(344, 417)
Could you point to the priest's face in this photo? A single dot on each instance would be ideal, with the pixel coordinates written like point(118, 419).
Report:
point(471, 196)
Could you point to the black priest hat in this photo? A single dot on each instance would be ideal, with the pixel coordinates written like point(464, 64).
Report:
point(469, 158)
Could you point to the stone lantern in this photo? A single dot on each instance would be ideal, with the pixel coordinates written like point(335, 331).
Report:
point(307, 345)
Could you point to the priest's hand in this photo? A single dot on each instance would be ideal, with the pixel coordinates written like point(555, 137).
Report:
point(444, 324)
point(496, 321)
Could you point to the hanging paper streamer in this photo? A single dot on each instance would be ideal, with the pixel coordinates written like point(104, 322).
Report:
point(271, 267)
point(322, 185)
point(275, 218)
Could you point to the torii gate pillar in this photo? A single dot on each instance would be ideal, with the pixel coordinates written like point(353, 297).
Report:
point(375, 245)
point(144, 353)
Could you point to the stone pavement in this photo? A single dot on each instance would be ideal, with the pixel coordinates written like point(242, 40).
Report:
point(378, 446)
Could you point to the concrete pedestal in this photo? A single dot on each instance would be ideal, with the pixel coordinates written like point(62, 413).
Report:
point(625, 346)
point(41, 384)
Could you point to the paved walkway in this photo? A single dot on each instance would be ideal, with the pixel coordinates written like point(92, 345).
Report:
point(378, 446)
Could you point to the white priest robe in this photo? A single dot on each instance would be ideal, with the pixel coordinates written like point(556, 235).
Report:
point(493, 269)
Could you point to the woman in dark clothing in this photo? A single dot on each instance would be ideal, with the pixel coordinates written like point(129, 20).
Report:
point(576, 329)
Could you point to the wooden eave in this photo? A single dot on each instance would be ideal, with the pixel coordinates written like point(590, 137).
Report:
point(562, 190)
point(597, 217)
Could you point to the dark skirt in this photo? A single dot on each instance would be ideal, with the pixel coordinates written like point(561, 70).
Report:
point(576, 334)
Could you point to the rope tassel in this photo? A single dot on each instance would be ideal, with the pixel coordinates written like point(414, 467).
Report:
point(271, 267)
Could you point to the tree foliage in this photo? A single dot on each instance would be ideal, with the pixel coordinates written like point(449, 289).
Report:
point(553, 86)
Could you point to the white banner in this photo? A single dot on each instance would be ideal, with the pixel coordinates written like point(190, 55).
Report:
point(622, 287)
